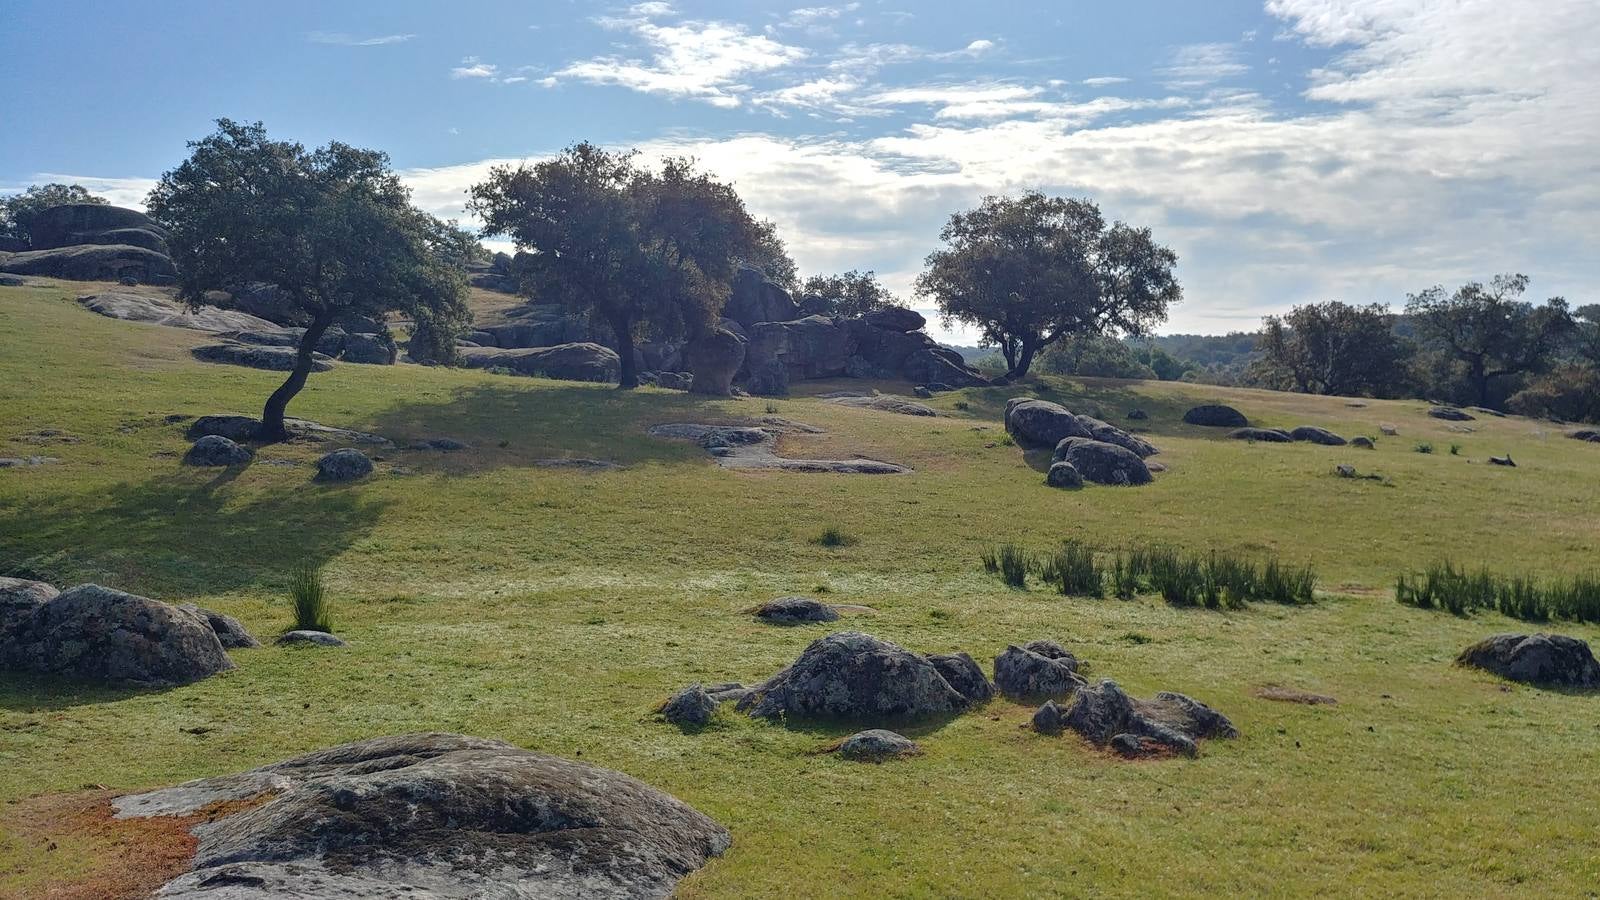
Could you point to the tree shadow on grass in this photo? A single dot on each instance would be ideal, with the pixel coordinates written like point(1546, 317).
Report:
point(173, 537)
point(520, 426)
point(29, 693)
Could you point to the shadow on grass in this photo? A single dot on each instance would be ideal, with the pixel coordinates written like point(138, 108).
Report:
point(526, 421)
point(833, 730)
point(29, 693)
point(173, 537)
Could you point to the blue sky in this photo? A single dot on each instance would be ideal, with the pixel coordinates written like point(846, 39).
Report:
point(1290, 150)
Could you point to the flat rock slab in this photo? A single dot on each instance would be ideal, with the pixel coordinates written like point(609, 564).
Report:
point(1283, 694)
point(796, 611)
point(1450, 414)
point(132, 307)
point(886, 403)
point(746, 447)
point(24, 462)
point(574, 462)
point(434, 816)
point(305, 638)
point(1166, 723)
point(876, 745)
point(255, 356)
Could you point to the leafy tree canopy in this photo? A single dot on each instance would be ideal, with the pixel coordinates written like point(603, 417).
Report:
point(630, 245)
point(1334, 348)
point(1488, 331)
point(1030, 270)
point(333, 229)
point(852, 293)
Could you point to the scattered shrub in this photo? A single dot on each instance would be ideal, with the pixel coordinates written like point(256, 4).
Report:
point(1455, 449)
point(962, 405)
point(832, 536)
point(772, 408)
point(1006, 440)
point(309, 597)
point(1009, 562)
point(1423, 447)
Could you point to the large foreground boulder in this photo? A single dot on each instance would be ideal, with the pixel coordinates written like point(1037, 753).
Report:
point(1168, 723)
point(345, 464)
point(19, 597)
point(1544, 659)
point(434, 816)
point(1103, 463)
point(570, 362)
point(106, 636)
point(1215, 415)
point(216, 450)
point(855, 677)
point(754, 299)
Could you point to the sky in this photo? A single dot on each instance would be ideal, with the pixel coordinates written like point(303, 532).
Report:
point(1290, 151)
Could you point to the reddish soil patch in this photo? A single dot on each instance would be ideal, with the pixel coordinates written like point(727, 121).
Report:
point(1293, 695)
point(129, 857)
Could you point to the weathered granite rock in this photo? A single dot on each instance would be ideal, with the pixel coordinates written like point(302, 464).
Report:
point(876, 745)
point(1040, 423)
point(1107, 433)
point(92, 262)
point(97, 634)
point(154, 310)
point(854, 676)
point(345, 464)
point(813, 347)
point(306, 637)
point(1064, 475)
point(713, 360)
point(216, 450)
point(1261, 435)
point(895, 318)
point(754, 299)
point(1362, 442)
point(886, 403)
point(1167, 723)
point(1543, 659)
point(963, 674)
point(691, 707)
point(19, 597)
point(434, 816)
point(1317, 435)
point(1103, 463)
point(254, 356)
point(230, 632)
point(1048, 719)
point(72, 224)
point(1039, 669)
point(796, 611)
point(567, 362)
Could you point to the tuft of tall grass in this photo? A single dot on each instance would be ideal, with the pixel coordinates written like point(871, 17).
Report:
point(1073, 570)
point(1423, 447)
point(1445, 587)
point(1009, 562)
point(309, 597)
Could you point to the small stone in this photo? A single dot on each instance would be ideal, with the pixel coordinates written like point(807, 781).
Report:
point(348, 464)
point(796, 611)
point(1345, 471)
point(1048, 718)
point(304, 637)
point(1064, 475)
point(1365, 443)
point(216, 450)
point(691, 707)
point(876, 745)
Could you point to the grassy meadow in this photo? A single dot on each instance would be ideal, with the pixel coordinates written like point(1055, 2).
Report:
point(554, 608)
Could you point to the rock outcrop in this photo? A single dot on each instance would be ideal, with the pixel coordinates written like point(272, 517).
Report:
point(273, 359)
point(1168, 723)
point(568, 362)
point(155, 310)
point(1103, 463)
point(93, 242)
point(713, 360)
point(1215, 415)
point(1036, 670)
point(433, 815)
point(796, 611)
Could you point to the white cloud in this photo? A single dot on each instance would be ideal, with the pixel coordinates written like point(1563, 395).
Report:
point(1201, 65)
point(706, 61)
point(346, 40)
point(472, 67)
point(1103, 80)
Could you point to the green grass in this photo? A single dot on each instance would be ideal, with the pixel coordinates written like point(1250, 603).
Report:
point(555, 608)
point(308, 597)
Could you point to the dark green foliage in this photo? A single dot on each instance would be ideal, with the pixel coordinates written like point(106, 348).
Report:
point(1286, 584)
point(1215, 580)
point(309, 597)
point(1009, 562)
point(1073, 570)
point(1455, 449)
point(1445, 587)
point(1488, 331)
point(1423, 447)
point(1334, 348)
point(832, 536)
point(850, 294)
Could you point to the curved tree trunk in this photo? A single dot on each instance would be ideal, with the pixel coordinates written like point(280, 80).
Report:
point(1024, 360)
point(272, 414)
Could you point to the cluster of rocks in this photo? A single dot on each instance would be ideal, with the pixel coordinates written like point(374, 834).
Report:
point(1450, 414)
point(97, 634)
point(756, 447)
point(854, 677)
point(763, 342)
point(1586, 434)
point(431, 815)
point(218, 442)
point(1305, 433)
point(1084, 448)
point(1553, 660)
point(92, 242)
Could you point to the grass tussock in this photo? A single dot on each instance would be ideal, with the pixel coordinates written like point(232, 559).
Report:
point(1214, 580)
point(833, 536)
point(308, 595)
point(1444, 586)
